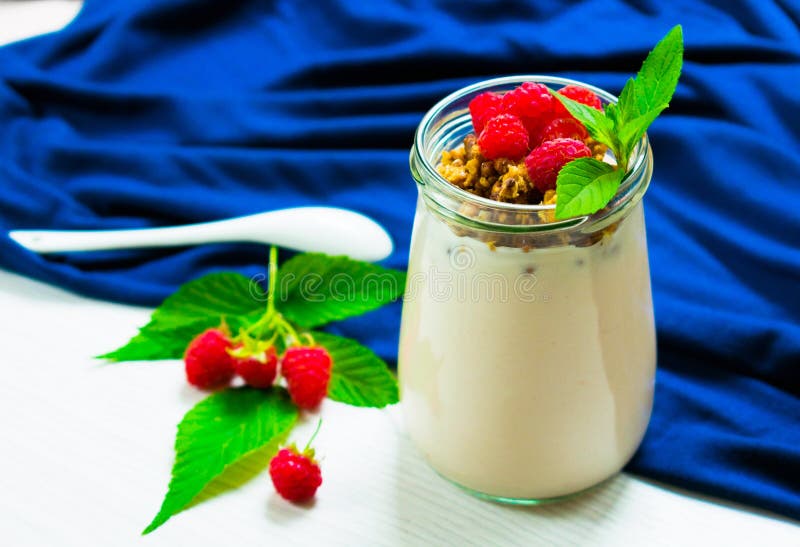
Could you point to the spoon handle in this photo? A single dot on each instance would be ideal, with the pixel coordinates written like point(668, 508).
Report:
point(58, 241)
point(320, 229)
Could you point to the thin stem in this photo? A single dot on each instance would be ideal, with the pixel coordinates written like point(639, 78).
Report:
point(269, 315)
point(273, 279)
point(289, 329)
point(267, 318)
point(314, 436)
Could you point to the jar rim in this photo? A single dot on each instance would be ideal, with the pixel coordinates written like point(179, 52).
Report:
point(641, 155)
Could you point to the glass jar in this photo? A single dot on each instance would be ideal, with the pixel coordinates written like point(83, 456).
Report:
point(527, 348)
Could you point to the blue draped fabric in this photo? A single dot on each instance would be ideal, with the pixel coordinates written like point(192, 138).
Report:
point(150, 113)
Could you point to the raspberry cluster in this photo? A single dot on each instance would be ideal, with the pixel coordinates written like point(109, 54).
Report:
point(528, 122)
point(213, 359)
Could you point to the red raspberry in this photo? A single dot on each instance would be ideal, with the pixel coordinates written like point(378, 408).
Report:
point(546, 161)
point(529, 100)
point(208, 363)
point(483, 108)
point(533, 104)
point(582, 95)
point(307, 371)
point(296, 476)
point(504, 136)
point(562, 128)
point(579, 94)
point(258, 371)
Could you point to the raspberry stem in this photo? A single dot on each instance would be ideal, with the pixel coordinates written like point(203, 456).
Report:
point(273, 281)
point(268, 319)
point(272, 318)
point(287, 328)
point(314, 436)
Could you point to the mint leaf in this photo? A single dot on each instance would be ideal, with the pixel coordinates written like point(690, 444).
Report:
point(359, 377)
point(219, 431)
point(612, 113)
point(633, 130)
point(644, 98)
point(596, 122)
point(314, 289)
point(626, 103)
point(658, 77)
point(584, 186)
point(196, 306)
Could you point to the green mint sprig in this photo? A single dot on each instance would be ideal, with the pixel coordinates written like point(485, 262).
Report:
point(586, 185)
point(230, 436)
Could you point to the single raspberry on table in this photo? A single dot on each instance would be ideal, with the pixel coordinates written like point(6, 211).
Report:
point(483, 108)
point(504, 136)
point(561, 128)
point(296, 476)
point(579, 94)
point(208, 363)
point(545, 161)
point(258, 370)
point(307, 371)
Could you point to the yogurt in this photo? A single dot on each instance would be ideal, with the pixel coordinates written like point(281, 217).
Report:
point(527, 374)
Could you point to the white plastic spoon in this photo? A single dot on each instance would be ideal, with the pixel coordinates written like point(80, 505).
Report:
point(321, 229)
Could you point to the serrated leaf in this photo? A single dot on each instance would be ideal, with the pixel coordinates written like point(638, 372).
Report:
point(644, 98)
point(657, 79)
point(626, 103)
point(219, 431)
point(238, 473)
point(634, 129)
point(612, 113)
point(152, 343)
point(596, 122)
point(585, 186)
point(315, 289)
point(196, 306)
point(359, 377)
point(211, 296)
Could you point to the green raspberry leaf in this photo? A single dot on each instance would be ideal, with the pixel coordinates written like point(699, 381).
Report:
point(359, 377)
point(211, 297)
point(599, 126)
point(585, 186)
point(196, 306)
point(218, 432)
point(153, 343)
point(314, 289)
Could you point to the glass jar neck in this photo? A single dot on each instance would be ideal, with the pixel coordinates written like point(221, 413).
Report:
point(445, 126)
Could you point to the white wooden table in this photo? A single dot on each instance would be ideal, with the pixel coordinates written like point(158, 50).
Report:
point(86, 450)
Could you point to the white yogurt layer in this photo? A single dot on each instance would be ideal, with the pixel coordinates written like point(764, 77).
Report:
point(532, 376)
